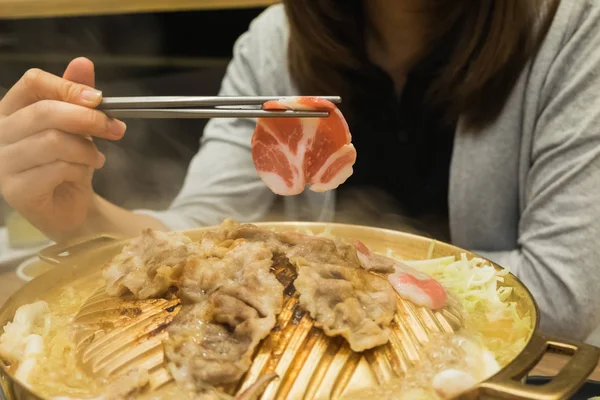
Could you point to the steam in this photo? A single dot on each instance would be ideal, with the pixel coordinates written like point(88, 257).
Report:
point(147, 167)
point(374, 207)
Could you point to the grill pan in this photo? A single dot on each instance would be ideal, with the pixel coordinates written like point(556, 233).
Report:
point(309, 364)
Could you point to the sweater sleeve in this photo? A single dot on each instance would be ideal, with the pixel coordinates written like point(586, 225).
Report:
point(221, 181)
point(559, 230)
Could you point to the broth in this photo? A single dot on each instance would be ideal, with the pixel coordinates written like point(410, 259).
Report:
point(57, 372)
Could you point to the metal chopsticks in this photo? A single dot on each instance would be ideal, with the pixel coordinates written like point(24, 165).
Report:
point(195, 107)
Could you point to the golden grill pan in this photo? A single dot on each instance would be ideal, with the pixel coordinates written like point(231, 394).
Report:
point(308, 363)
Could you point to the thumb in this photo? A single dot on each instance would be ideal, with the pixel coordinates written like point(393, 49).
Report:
point(81, 70)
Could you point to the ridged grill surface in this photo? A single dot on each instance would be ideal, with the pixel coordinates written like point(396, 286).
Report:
point(115, 335)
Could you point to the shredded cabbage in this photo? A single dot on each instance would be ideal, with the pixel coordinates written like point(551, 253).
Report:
point(476, 284)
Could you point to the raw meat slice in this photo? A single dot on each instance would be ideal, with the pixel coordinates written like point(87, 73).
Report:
point(373, 261)
point(411, 284)
point(419, 288)
point(290, 153)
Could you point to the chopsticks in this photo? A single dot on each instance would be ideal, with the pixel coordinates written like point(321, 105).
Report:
point(191, 107)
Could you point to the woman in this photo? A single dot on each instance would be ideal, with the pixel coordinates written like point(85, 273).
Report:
point(485, 116)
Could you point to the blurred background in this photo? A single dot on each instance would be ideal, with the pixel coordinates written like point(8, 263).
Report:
point(140, 47)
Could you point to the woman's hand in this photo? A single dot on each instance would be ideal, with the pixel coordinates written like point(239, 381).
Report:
point(47, 156)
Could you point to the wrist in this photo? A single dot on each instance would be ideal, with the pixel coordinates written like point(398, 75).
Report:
point(93, 223)
point(98, 219)
point(106, 217)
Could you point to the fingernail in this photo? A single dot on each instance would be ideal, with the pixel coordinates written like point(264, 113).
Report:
point(91, 96)
point(116, 127)
point(101, 160)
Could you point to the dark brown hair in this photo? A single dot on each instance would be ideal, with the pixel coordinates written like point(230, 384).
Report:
point(492, 40)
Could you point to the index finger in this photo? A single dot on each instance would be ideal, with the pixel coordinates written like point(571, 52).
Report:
point(51, 114)
point(36, 85)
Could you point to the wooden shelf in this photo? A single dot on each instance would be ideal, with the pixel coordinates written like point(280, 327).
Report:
point(63, 8)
